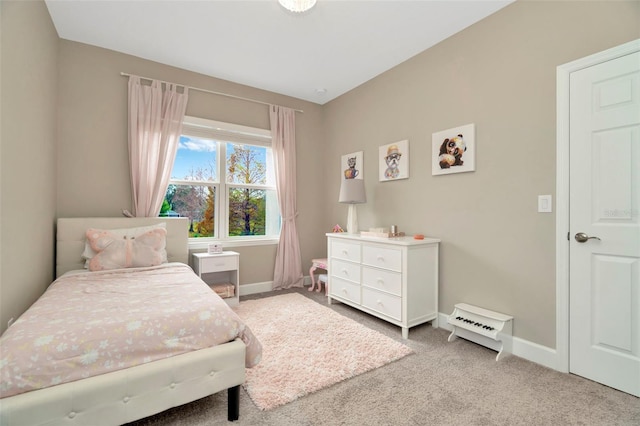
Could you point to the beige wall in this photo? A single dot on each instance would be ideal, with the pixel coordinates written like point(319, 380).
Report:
point(497, 251)
point(93, 165)
point(27, 167)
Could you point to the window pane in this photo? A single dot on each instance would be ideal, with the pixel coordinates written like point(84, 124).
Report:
point(248, 211)
point(195, 160)
point(197, 202)
point(247, 164)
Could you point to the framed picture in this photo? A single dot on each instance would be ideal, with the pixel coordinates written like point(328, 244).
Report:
point(352, 166)
point(394, 161)
point(454, 150)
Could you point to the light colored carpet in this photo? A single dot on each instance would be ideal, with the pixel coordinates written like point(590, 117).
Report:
point(308, 347)
point(441, 384)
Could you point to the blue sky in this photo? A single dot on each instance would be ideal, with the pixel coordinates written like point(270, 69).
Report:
point(194, 153)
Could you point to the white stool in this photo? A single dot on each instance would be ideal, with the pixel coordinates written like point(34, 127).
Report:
point(323, 278)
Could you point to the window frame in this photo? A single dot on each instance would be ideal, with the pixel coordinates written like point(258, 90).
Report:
point(222, 133)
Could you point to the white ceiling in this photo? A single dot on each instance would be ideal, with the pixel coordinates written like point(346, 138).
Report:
point(334, 47)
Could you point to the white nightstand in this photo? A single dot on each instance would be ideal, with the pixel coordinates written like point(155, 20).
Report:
point(222, 268)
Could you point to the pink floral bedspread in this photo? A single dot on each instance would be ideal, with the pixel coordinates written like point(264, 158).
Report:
point(91, 323)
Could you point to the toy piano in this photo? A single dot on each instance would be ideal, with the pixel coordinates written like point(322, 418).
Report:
point(482, 326)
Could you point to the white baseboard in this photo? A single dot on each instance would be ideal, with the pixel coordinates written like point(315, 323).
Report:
point(246, 289)
point(263, 287)
point(521, 348)
point(536, 353)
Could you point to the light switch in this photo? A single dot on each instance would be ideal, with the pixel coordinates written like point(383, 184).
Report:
point(544, 204)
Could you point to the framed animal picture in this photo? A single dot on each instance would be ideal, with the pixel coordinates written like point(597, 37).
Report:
point(352, 166)
point(394, 161)
point(454, 150)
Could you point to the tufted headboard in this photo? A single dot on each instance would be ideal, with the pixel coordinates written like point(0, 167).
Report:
point(70, 237)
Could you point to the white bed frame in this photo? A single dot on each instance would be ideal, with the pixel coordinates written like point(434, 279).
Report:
point(137, 392)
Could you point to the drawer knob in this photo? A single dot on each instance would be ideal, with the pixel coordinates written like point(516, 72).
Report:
point(379, 302)
point(380, 281)
point(380, 258)
point(344, 271)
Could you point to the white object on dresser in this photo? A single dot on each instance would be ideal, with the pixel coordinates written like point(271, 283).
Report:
point(395, 279)
point(219, 269)
point(214, 248)
point(482, 326)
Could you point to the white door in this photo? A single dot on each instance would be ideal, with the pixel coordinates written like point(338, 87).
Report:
point(604, 208)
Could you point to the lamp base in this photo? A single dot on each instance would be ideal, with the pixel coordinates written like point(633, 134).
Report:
point(352, 220)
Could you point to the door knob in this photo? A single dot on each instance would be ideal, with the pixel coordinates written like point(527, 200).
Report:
point(581, 237)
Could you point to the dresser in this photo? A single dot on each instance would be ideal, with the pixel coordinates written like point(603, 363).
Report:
point(395, 279)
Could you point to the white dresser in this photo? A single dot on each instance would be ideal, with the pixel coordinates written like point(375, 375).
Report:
point(395, 279)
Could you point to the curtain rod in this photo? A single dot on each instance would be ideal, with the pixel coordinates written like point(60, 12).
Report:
point(124, 74)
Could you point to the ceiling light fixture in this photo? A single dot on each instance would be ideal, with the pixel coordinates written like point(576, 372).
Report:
point(297, 6)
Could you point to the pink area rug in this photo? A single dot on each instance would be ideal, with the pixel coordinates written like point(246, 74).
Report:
point(307, 347)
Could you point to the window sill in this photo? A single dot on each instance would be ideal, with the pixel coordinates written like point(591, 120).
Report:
point(226, 244)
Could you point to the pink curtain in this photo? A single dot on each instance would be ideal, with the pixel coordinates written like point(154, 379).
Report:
point(155, 124)
point(288, 268)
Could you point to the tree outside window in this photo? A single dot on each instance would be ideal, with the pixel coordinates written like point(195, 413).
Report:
point(238, 202)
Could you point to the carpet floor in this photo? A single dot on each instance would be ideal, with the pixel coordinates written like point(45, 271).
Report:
point(308, 347)
point(441, 384)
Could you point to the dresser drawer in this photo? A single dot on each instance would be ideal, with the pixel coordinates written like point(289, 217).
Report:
point(215, 264)
point(383, 303)
point(344, 289)
point(345, 250)
point(382, 257)
point(345, 270)
point(381, 279)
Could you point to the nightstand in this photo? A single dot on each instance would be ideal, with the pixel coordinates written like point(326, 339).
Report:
point(220, 271)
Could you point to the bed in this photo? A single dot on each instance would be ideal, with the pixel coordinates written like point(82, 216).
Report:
point(126, 392)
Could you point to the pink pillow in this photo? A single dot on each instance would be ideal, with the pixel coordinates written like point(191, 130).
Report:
point(118, 251)
point(88, 252)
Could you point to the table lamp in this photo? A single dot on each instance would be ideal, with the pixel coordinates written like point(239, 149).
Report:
point(352, 192)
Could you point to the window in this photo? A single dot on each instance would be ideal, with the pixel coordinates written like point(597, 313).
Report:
point(223, 180)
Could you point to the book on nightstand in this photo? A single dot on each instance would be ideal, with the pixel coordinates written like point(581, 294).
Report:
point(224, 290)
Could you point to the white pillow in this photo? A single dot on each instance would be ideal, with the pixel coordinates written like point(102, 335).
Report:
point(89, 253)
